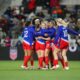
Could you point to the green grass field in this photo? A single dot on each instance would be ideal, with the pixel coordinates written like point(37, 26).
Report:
point(10, 70)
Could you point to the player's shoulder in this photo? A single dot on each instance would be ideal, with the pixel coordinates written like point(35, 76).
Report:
point(44, 30)
point(60, 27)
point(31, 29)
point(53, 28)
point(25, 28)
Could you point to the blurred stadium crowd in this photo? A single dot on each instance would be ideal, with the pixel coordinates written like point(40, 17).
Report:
point(15, 17)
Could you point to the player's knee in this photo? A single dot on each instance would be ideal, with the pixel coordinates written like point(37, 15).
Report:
point(63, 55)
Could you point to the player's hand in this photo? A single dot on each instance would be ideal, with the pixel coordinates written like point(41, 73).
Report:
point(45, 34)
point(48, 38)
point(39, 37)
point(36, 38)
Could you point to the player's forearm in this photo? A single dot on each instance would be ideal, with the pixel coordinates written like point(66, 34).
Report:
point(46, 38)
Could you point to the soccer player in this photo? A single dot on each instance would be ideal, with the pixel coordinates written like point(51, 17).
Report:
point(39, 46)
point(61, 43)
point(40, 43)
point(51, 33)
point(28, 39)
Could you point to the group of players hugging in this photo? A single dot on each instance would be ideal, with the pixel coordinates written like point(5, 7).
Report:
point(49, 40)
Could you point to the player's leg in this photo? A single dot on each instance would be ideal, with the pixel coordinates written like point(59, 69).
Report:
point(51, 58)
point(26, 56)
point(64, 51)
point(25, 59)
point(55, 61)
point(61, 58)
point(32, 60)
point(28, 53)
point(40, 58)
point(41, 55)
point(46, 54)
point(64, 48)
point(47, 51)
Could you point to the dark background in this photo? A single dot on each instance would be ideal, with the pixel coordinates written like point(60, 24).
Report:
point(4, 54)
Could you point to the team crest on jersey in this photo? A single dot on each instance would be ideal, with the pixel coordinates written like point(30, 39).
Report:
point(13, 53)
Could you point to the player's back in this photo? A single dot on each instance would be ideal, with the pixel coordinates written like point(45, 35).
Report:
point(28, 35)
point(63, 32)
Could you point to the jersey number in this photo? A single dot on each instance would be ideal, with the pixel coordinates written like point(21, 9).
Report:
point(65, 33)
point(26, 34)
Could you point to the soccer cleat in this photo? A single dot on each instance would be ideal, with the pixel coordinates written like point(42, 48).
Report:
point(32, 67)
point(57, 66)
point(41, 68)
point(66, 68)
point(53, 68)
point(46, 68)
point(24, 67)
